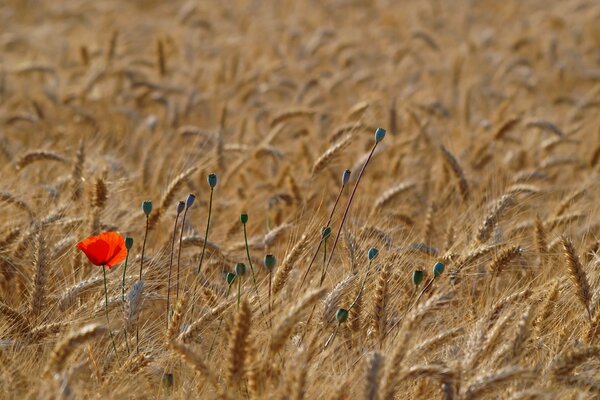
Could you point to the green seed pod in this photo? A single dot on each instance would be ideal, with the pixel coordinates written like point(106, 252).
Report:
point(341, 315)
point(147, 207)
point(438, 268)
point(240, 269)
point(270, 261)
point(128, 243)
point(230, 277)
point(417, 277)
point(325, 232)
point(379, 134)
point(212, 180)
point(244, 218)
point(373, 253)
point(180, 207)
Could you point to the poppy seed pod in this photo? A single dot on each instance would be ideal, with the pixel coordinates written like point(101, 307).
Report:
point(325, 232)
point(128, 242)
point(341, 315)
point(240, 269)
point(346, 176)
point(373, 253)
point(438, 268)
point(417, 277)
point(180, 207)
point(147, 207)
point(212, 180)
point(244, 218)
point(190, 200)
point(230, 277)
point(270, 261)
point(379, 134)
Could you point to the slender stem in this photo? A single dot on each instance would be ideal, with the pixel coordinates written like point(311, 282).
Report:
point(333, 335)
point(324, 262)
point(252, 269)
point(144, 248)
point(124, 273)
point(362, 287)
point(137, 328)
point(179, 252)
point(337, 236)
point(203, 250)
point(212, 343)
point(170, 269)
point(337, 199)
point(106, 311)
point(270, 284)
point(239, 291)
point(206, 233)
point(126, 341)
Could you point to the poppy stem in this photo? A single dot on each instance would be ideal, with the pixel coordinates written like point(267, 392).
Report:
point(362, 287)
point(337, 200)
point(179, 251)
point(210, 201)
point(206, 233)
point(219, 327)
point(337, 236)
point(170, 269)
point(239, 292)
point(124, 274)
point(144, 248)
point(106, 310)
point(137, 328)
point(252, 269)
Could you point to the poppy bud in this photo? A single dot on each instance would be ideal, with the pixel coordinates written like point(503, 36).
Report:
point(244, 218)
point(373, 253)
point(230, 277)
point(438, 268)
point(240, 269)
point(341, 315)
point(379, 134)
point(180, 207)
point(417, 277)
point(128, 242)
point(346, 177)
point(147, 207)
point(190, 200)
point(270, 261)
point(212, 180)
point(325, 232)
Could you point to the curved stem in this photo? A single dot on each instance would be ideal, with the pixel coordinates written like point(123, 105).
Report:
point(144, 248)
point(179, 252)
point(362, 287)
point(206, 233)
point(170, 269)
point(106, 311)
point(337, 236)
point(252, 269)
point(312, 260)
point(212, 343)
point(124, 274)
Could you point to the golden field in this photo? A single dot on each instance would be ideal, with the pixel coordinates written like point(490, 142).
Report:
point(490, 166)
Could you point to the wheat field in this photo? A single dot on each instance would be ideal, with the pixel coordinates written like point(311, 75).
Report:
point(462, 255)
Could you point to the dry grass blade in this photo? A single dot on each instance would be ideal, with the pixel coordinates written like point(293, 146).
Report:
point(284, 327)
point(167, 198)
point(38, 155)
point(67, 346)
point(458, 172)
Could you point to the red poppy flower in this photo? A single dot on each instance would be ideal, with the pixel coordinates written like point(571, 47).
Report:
point(107, 249)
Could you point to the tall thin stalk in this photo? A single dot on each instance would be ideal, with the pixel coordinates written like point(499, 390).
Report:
point(379, 135)
point(180, 207)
